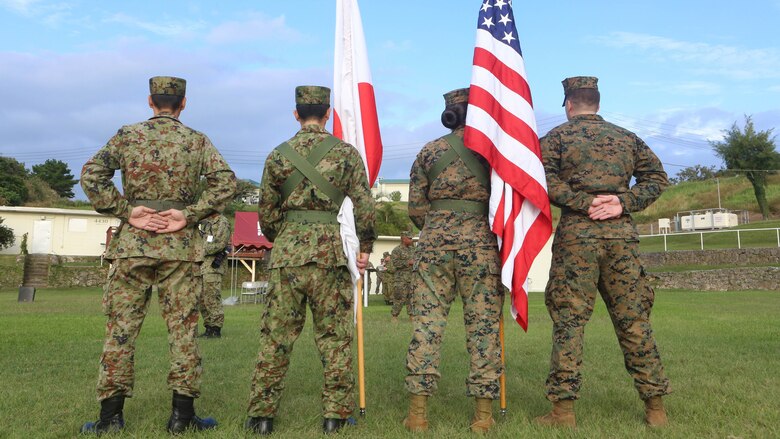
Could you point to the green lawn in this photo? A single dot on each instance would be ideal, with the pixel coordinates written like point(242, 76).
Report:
point(723, 239)
point(720, 351)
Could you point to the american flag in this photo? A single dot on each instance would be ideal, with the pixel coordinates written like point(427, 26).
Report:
point(500, 125)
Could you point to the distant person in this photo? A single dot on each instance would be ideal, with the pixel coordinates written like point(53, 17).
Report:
point(304, 183)
point(589, 165)
point(380, 274)
point(402, 257)
point(216, 233)
point(456, 256)
point(162, 162)
point(389, 277)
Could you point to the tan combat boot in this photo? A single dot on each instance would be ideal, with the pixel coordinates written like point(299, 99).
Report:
point(562, 415)
point(417, 419)
point(483, 416)
point(655, 414)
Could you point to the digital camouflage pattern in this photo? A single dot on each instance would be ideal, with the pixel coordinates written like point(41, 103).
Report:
point(308, 266)
point(388, 279)
point(582, 158)
point(328, 291)
point(125, 302)
point(298, 243)
point(167, 85)
point(402, 258)
point(613, 268)
point(441, 229)
point(312, 95)
point(451, 263)
point(216, 233)
point(160, 159)
point(458, 96)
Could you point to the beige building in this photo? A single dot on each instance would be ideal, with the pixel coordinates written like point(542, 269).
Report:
point(384, 187)
point(68, 232)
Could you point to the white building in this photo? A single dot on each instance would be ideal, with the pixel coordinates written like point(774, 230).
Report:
point(68, 232)
point(384, 187)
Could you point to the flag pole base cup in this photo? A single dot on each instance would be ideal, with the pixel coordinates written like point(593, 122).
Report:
point(503, 412)
point(362, 412)
point(26, 294)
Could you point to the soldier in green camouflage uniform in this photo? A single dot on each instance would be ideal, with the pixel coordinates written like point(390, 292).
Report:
point(380, 276)
point(389, 277)
point(216, 233)
point(457, 255)
point(308, 264)
point(162, 162)
point(402, 258)
point(589, 165)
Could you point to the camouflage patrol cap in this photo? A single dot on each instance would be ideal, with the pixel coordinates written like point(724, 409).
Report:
point(406, 234)
point(167, 85)
point(312, 95)
point(385, 254)
point(457, 96)
point(577, 82)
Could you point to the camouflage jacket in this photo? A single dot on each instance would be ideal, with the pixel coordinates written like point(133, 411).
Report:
point(444, 229)
point(587, 156)
point(297, 244)
point(402, 258)
point(160, 159)
point(215, 231)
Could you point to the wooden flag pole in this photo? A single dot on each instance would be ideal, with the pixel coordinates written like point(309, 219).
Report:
point(361, 362)
point(502, 379)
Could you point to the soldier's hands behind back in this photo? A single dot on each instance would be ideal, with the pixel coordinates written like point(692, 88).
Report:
point(176, 220)
point(605, 207)
point(142, 217)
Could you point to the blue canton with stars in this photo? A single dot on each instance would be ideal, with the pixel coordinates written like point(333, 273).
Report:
point(496, 17)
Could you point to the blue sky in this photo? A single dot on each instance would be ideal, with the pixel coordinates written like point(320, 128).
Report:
point(677, 73)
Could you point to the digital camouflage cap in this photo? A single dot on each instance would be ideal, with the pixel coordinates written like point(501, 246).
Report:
point(457, 96)
point(167, 85)
point(312, 95)
point(406, 234)
point(577, 82)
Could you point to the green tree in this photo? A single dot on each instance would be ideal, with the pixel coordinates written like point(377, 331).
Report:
point(244, 188)
point(57, 174)
point(392, 219)
point(6, 236)
point(39, 193)
point(694, 173)
point(395, 196)
point(753, 153)
point(13, 192)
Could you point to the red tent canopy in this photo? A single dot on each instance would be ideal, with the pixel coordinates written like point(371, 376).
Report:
point(246, 233)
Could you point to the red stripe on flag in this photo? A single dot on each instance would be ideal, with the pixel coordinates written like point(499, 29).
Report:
point(371, 136)
point(535, 239)
point(509, 171)
point(337, 130)
point(505, 74)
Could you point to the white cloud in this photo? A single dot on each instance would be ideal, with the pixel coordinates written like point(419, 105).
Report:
point(398, 46)
point(703, 58)
point(255, 27)
point(170, 29)
point(24, 7)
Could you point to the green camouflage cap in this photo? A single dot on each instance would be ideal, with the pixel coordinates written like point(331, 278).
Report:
point(312, 95)
point(167, 85)
point(577, 82)
point(406, 234)
point(457, 96)
point(385, 254)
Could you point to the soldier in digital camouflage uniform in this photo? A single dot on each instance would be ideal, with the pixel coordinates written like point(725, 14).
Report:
point(589, 164)
point(308, 264)
point(389, 277)
point(162, 162)
point(402, 258)
point(380, 277)
point(216, 233)
point(457, 255)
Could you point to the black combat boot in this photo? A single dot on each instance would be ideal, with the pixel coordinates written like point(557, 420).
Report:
point(260, 425)
point(332, 425)
point(212, 332)
point(183, 416)
point(111, 419)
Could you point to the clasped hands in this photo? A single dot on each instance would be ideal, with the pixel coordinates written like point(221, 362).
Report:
point(605, 207)
point(167, 221)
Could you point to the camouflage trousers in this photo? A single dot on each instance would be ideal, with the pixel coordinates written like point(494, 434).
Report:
point(379, 277)
point(328, 291)
point(402, 292)
point(387, 288)
point(125, 302)
point(611, 267)
point(211, 301)
point(439, 277)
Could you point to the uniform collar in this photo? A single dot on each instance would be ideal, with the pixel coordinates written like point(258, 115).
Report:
point(587, 117)
point(312, 128)
point(165, 115)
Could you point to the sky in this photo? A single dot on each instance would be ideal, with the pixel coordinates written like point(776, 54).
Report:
point(677, 73)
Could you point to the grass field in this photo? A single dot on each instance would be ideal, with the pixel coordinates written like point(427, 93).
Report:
point(715, 240)
point(720, 350)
